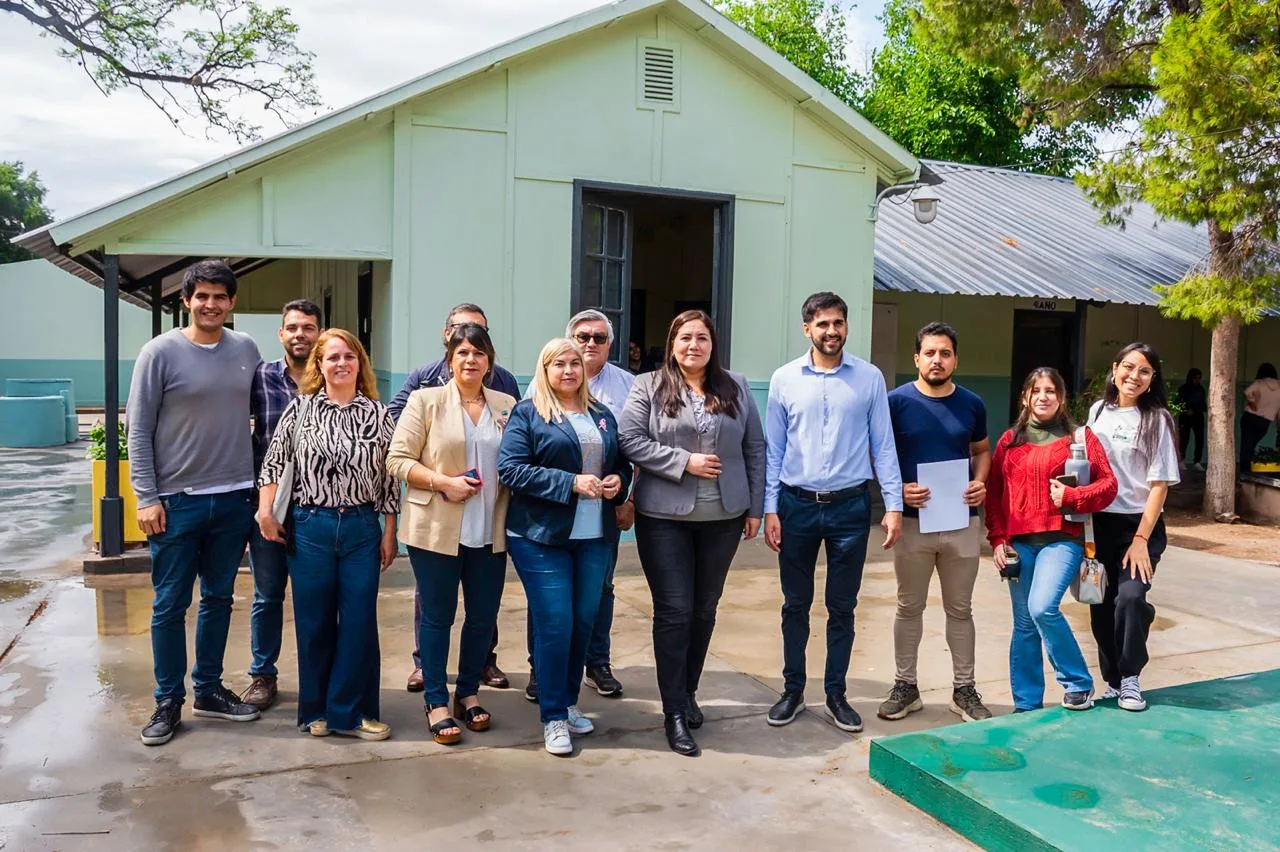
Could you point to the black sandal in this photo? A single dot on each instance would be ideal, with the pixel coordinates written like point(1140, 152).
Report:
point(469, 714)
point(444, 724)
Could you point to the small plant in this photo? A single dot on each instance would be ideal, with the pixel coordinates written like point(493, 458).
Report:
point(1266, 455)
point(98, 442)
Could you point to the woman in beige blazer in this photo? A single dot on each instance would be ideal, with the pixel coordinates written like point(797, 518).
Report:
point(445, 448)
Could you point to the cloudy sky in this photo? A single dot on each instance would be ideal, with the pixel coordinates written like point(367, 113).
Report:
point(89, 149)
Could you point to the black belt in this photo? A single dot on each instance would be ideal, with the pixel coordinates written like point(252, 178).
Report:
point(826, 496)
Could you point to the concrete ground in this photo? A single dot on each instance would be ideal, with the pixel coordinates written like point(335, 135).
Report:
point(73, 774)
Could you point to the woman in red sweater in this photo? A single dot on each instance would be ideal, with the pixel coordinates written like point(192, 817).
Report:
point(1025, 506)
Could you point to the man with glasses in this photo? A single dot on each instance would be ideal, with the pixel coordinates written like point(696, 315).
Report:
point(433, 375)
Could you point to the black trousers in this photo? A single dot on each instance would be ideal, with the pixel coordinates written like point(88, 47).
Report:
point(1252, 430)
point(1191, 426)
point(686, 563)
point(1122, 622)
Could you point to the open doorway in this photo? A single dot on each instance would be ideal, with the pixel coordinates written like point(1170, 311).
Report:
point(644, 255)
point(1043, 339)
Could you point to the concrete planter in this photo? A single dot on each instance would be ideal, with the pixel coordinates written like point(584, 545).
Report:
point(131, 531)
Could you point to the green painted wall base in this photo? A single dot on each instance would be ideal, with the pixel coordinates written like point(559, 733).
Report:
point(1197, 770)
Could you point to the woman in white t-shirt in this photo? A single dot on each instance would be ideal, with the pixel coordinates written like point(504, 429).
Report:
point(1132, 421)
point(1261, 405)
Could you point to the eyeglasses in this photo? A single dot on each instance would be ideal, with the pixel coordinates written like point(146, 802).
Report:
point(599, 338)
point(1142, 372)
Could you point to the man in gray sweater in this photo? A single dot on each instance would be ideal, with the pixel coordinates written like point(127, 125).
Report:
point(191, 464)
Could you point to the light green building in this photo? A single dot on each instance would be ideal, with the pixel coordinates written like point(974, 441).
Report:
point(640, 158)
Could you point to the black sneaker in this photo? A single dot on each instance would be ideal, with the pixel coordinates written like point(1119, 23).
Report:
point(166, 720)
point(845, 717)
point(904, 698)
point(785, 711)
point(601, 679)
point(1082, 700)
point(967, 704)
point(225, 704)
point(531, 689)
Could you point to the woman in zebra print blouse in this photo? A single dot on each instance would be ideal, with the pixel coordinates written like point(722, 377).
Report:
point(337, 547)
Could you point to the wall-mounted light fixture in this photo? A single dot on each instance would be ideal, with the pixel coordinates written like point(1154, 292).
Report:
point(923, 199)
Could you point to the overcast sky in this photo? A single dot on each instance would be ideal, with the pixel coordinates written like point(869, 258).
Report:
point(89, 149)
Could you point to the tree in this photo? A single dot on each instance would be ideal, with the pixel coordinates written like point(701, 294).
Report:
point(188, 57)
point(809, 33)
point(1198, 81)
point(940, 105)
point(21, 209)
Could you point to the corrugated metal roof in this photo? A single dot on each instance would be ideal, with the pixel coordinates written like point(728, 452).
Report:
point(1006, 233)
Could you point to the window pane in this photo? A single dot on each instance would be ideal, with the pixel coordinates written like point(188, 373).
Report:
point(617, 233)
point(592, 273)
point(613, 285)
point(593, 229)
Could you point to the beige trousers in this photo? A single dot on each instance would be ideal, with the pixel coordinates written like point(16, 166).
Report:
point(955, 556)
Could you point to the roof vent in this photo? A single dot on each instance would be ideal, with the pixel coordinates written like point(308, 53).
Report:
point(659, 75)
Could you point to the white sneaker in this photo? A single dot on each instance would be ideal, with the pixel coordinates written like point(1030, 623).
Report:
point(1131, 695)
point(579, 724)
point(1111, 693)
point(555, 735)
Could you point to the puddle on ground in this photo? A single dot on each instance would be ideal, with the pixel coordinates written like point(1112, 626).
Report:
point(12, 589)
point(45, 501)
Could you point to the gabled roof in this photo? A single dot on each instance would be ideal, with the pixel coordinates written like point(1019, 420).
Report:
point(1007, 233)
point(893, 162)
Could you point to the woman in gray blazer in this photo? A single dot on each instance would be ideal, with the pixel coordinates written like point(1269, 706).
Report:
point(693, 430)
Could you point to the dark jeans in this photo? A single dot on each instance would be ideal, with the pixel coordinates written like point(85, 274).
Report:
point(1122, 622)
point(335, 570)
point(492, 659)
point(481, 573)
point(204, 537)
point(686, 563)
point(563, 587)
point(270, 564)
point(599, 647)
point(1252, 430)
point(1191, 426)
point(843, 527)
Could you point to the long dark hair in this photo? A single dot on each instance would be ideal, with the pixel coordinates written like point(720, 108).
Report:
point(720, 388)
point(1153, 405)
point(1061, 420)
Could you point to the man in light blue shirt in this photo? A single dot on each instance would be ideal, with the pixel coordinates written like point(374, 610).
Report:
point(829, 433)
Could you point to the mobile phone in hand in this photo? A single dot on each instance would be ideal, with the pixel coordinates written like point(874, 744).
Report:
point(1068, 479)
point(471, 474)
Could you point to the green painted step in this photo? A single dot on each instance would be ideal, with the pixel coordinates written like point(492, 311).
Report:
point(1200, 769)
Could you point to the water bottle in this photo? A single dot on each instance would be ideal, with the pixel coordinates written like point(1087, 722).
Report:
point(1078, 464)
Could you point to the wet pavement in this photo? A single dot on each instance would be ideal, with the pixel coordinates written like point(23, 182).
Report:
point(73, 774)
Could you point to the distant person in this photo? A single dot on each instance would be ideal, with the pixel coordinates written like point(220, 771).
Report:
point(694, 430)
point(437, 374)
point(1025, 511)
point(828, 431)
point(337, 434)
point(936, 420)
point(1195, 406)
point(275, 385)
point(635, 359)
point(1261, 405)
point(560, 458)
point(191, 466)
point(1132, 421)
point(445, 448)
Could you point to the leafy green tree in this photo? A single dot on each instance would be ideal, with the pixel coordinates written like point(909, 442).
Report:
point(940, 105)
point(190, 58)
point(809, 33)
point(21, 209)
point(1198, 82)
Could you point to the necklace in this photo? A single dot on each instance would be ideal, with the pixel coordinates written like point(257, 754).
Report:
point(478, 399)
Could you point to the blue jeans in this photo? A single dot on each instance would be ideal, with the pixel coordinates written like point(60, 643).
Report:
point(482, 574)
point(204, 537)
point(1047, 571)
point(270, 564)
point(806, 524)
point(563, 586)
point(335, 570)
point(598, 648)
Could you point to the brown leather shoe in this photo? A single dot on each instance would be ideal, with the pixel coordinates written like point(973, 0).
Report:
point(415, 681)
point(494, 676)
point(261, 693)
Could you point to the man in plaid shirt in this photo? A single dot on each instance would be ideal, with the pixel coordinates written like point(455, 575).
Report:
point(275, 384)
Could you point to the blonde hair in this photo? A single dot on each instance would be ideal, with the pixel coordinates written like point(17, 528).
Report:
point(313, 379)
point(544, 399)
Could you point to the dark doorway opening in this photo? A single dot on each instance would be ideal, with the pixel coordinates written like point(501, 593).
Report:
point(1042, 339)
point(643, 255)
point(364, 306)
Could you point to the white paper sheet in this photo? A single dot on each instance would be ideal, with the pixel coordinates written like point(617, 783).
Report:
point(946, 482)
